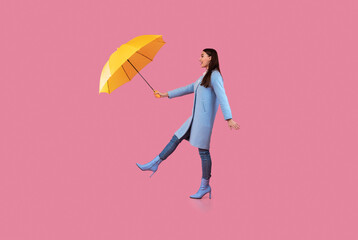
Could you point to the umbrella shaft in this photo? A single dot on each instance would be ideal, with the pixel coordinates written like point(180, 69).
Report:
point(140, 75)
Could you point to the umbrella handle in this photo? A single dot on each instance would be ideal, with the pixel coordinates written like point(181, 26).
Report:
point(157, 94)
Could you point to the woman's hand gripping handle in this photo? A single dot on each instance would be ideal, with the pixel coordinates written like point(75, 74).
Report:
point(158, 94)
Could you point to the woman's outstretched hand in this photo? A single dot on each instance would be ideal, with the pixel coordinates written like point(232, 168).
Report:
point(160, 94)
point(233, 124)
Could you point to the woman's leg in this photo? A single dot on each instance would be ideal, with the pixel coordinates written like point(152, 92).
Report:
point(172, 145)
point(206, 167)
point(205, 163)
point(169, 149)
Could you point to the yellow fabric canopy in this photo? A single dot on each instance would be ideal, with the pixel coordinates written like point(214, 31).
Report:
point(128, 60)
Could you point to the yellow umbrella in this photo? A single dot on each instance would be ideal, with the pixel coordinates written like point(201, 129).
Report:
point(128, 60)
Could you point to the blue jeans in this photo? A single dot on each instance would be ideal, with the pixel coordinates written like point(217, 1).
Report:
point(204, 154)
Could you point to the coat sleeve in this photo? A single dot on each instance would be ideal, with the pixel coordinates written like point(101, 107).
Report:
point(218, 86)
point(181, 91)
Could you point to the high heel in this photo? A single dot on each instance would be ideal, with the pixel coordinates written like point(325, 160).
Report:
point(152, 173)
point(204, 189)
point(152, 165)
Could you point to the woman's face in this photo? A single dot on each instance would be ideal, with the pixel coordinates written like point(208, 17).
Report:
point(204, 60)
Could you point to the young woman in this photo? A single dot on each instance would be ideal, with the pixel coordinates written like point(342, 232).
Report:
point(209, 94)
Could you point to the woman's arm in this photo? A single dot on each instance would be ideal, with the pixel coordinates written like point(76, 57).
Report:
point(181, 91)
point(177, 92)
point(218, 86)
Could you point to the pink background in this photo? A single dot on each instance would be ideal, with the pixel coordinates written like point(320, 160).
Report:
point(68, 154)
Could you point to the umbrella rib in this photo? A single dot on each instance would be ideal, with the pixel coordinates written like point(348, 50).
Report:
point(140, 74)
point(144, 56)
point(109, 91)
point(125, 72)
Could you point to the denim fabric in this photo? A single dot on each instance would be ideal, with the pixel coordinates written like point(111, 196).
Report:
point(204, 153)
point(169, 149)
point(205, 163)
point(172, 145)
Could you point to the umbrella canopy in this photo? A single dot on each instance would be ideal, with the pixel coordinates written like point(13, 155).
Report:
point(128, 60)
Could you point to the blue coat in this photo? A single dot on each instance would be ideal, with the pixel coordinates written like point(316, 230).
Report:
point(206, 104)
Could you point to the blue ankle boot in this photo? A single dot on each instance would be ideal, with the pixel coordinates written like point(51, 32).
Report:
point(204, 189)
point(152, 165)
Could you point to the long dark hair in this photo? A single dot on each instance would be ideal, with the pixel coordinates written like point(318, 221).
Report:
point(213, 64)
